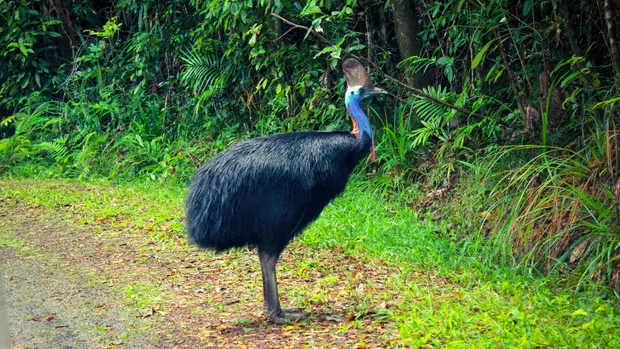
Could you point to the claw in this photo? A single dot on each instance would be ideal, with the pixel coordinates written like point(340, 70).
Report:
point(270, 291)
point(286, 316)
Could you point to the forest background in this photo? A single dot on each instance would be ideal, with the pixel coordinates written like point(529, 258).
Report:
point(520, 158)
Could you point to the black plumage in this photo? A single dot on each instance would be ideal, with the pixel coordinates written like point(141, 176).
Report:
point(264, 191)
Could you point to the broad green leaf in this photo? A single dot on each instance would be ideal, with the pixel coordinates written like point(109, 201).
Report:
point(311, 9)
point(325, 50)
point(252, 41)
point(336, 53)
point(23, 49)
point(569, 78)
point(356, 47)
point(579, 312)
point(527, 8)
point(498, 75)
point(480, 55)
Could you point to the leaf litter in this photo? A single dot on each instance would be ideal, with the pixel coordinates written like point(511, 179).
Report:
point(215, 300)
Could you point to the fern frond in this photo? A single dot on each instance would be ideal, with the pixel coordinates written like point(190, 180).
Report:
point(56, 149)
point(8, 120)
point(202, 72)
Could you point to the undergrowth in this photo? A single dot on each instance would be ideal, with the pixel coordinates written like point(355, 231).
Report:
point(560, 211)
point(149, 92)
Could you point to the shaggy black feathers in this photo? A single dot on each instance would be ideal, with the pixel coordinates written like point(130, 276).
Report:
point(264, 191)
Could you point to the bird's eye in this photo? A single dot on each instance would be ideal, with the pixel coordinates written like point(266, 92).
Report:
point(362, 90)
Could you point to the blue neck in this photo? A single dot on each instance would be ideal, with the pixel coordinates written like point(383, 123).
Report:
point(354, 105)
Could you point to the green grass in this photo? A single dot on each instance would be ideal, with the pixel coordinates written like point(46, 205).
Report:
point(19, 246)
point(143, 295)
point(450, 293)
point(471, 301)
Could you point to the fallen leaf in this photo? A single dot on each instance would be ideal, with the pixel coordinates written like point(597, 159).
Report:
point(50, 318)
point(36, 318)
point(60, 326)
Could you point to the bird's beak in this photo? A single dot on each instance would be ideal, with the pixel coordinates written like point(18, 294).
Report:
point(376, 91)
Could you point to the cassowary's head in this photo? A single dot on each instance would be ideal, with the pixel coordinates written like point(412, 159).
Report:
point(359, 85)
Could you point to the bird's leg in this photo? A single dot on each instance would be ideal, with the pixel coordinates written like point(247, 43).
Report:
point(270, 291)
point(270, 284)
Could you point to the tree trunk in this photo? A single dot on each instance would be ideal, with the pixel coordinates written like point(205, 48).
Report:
point(277, 25)
point(407, 30)
point(570, 26)
point(511, 77)
point(383, 35)
point(611, 38)
point(383, 26)
point(63, 11)
point(369, 29)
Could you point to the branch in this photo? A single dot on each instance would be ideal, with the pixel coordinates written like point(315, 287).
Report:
point(511, 76)
point(378, 70)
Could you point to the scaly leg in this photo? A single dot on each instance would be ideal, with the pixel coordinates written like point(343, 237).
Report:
point(270, 291)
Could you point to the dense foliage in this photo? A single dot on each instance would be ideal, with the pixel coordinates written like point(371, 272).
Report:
point(151, 89)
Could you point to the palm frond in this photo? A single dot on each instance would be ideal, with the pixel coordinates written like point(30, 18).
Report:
point(433, 117)
point(202, 72)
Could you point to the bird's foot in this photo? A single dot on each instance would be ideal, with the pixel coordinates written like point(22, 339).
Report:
point(287, 315)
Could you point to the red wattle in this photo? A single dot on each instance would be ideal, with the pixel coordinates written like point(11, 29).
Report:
point(356, 129)
point(372, 150)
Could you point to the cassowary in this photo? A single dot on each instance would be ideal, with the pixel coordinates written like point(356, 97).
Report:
point(264, 191)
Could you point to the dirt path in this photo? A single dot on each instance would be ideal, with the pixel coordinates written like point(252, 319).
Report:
point(78, 278)
point(54, 302)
